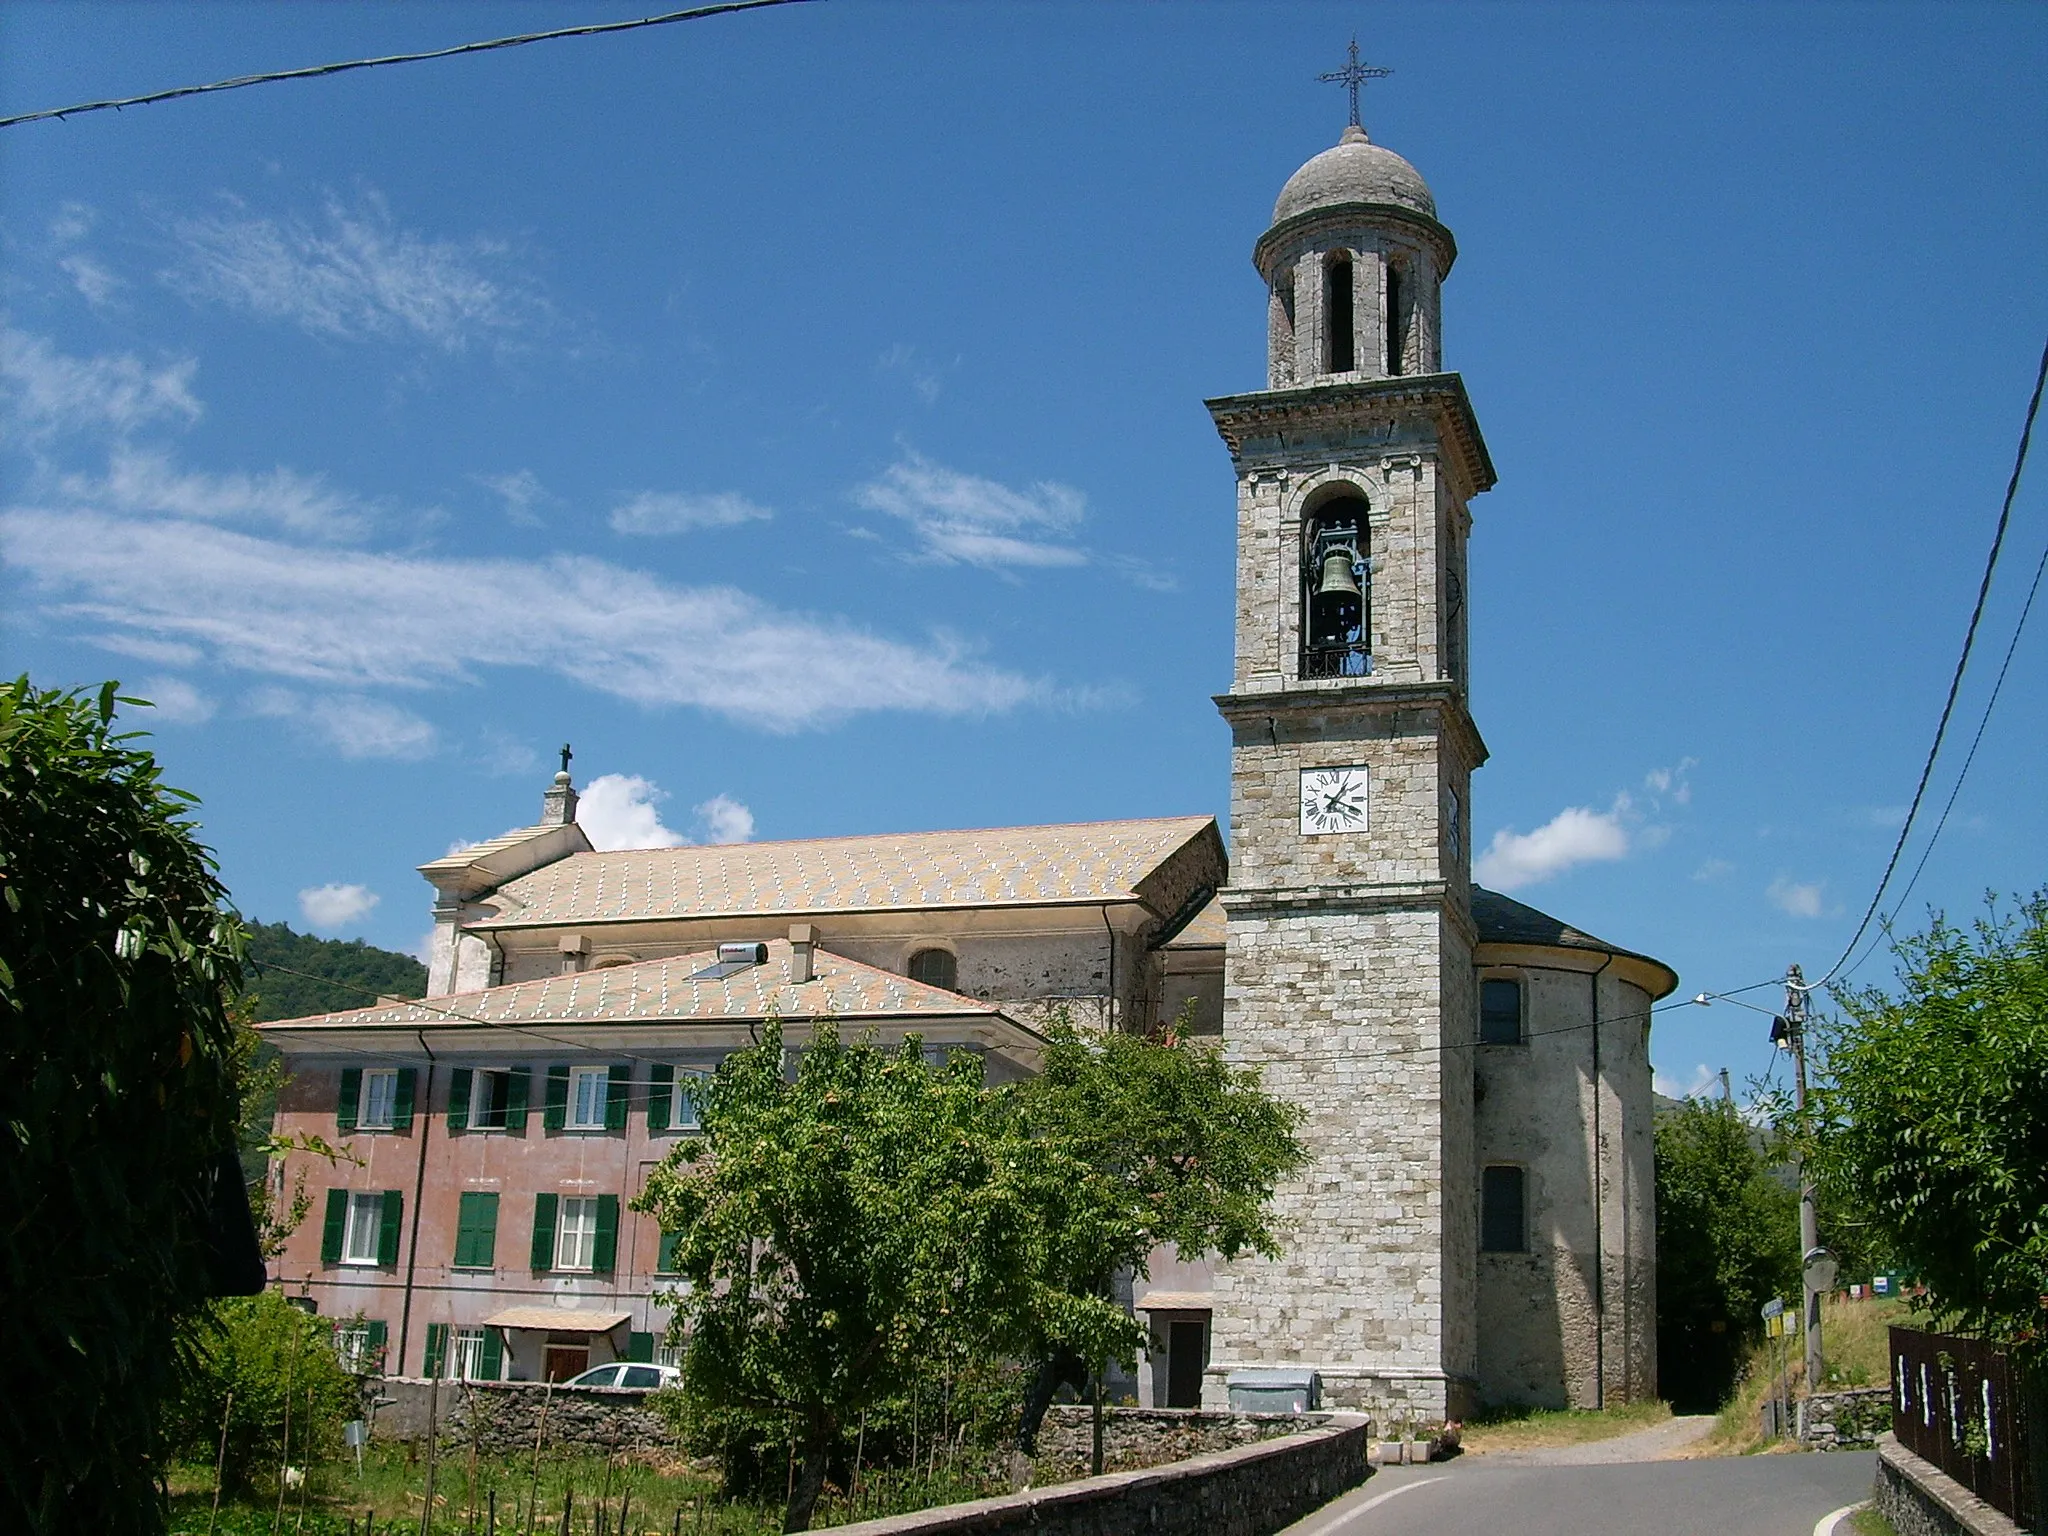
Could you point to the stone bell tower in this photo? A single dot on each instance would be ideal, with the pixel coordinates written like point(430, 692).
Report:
point(1349, 960)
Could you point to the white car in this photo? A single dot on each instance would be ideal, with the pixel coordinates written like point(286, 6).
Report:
point(630, 1375)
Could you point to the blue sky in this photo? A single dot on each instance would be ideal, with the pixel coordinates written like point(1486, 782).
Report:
point(800, 412)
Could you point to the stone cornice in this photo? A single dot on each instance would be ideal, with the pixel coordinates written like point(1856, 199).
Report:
point(1409, 896)
point(1339, 215)
point(1359, 403)
point(1446, 700)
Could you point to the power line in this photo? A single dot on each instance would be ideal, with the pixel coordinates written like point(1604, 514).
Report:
point(2012, 487)
point(594, 29)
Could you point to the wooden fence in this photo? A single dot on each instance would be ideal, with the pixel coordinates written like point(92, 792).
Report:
point(1960, 1403)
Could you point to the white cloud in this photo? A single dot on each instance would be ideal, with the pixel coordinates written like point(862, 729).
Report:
point(658, 512)
point(423, 948)
point(354, 275)
point(619, 810)
point(47, 392)
point(176, 701)
point(522, 492)
point(1572, 837)
point(328, 908)
point(1713, 869)
point(964, 519)
point(506, 756)
point(1796, 898)
point(94, 280)
point(355, 727)
point(1671, 783)
point(725, 820)
point(73, 223)
point(355, 620)
point(138, 481)
point(1704, 1083)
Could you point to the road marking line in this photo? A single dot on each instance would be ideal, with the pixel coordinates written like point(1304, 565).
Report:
point(1825, 1525)
point(1377, 1499)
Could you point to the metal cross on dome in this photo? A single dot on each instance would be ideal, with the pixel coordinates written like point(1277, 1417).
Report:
point(1353, 75)
point(566, 755)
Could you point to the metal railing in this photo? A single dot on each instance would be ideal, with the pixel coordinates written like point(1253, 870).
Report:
point(1321, 661)
point(1961, 1404)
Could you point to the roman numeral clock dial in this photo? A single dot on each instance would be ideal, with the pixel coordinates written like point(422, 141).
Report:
point(1332, 800)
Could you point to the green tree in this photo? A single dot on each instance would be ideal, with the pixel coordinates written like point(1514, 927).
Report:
point(1727, 1242)
point(1929, 1115)
point(292, 974)
point(1184, 1150)
point(260, 1368)
point(118, 1099)
point(841, 1228)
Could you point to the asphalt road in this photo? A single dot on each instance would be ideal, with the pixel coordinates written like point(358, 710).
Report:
point(1717, 1496)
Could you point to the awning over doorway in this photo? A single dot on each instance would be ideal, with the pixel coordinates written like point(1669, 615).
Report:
point(1174, 1301)
point(558, 1319)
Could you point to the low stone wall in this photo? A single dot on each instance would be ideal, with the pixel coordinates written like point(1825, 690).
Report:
point(1837, 1421)
point(1252, 1490)
point(1147, 1437)
point(507, 1415)
point(1919, 1499)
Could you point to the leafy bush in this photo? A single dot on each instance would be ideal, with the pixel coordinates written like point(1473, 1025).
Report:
point(261, 1367)
point(118, 1102)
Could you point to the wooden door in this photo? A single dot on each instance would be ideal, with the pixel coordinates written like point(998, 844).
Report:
point(1184, 1362)
point(566, 1360)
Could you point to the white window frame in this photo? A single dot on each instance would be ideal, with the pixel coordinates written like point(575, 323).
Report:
point(578, 1095)
point(352, 1347)
point(576, 1234)
point(365, 1217)
point(480, 1095)
point(669, 1354)
point(466, 1354)
point(682, 1108)
point(377, 1107)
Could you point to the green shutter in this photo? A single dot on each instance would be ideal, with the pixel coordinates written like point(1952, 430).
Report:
point(556, 1114)
point(476, 1230)
point(640, 1346)
point(387, 1230)
point(401, 1111)
point(458, 1099)
point(518, 1083)
point(374, 1339)
point(661, 1084)
point(544, 1232)
point(665, 1260)
point(351, 1099)
point(494, 1355)
point(336, 1224)
point(605, 1254)
point(437, 1350)
point(618, 1091)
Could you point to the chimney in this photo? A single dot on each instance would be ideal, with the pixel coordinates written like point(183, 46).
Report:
point(574, 947)
point(558, 805)
point(803, 944)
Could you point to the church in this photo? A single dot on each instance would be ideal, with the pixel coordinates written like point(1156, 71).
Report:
point(1476, 1223)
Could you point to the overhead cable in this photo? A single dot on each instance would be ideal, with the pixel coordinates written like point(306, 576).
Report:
point(316, 70)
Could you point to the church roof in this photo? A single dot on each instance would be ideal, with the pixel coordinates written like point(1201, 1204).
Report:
point(1503, 920)
point(1204, 931)
point(1083, 863)
point(670, 990)
point(1354, 170)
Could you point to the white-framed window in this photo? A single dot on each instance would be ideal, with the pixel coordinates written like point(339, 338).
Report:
point(489, 1096)
point(466, 1354)
point(682, 1112)
point(586, 1098)
point(669, 1354)
point(576, 1233)
point(352, 1347)
point(377, 1110)
point(364, 1225)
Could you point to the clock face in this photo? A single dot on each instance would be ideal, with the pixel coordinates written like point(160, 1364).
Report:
point(1332, 800)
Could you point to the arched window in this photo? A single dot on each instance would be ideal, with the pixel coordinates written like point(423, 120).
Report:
point(935, 968)
point(1398, 306)
point(1335, 582)
point(1337, 319)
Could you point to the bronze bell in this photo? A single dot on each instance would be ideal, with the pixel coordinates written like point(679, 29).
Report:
point(1338, 607)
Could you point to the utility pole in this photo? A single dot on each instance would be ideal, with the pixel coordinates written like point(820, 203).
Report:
point(1817, 1273)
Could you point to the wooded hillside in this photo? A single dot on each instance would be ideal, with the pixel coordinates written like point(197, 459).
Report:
point(353, 974)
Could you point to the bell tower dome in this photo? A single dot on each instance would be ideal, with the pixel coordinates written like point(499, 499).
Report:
point(1348, 960)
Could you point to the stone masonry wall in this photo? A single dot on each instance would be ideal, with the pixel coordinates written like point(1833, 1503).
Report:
point(507, 1415)
point(1252, 1490)
point(1150, 1437)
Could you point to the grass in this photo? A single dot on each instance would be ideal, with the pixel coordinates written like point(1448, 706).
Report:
point(1856, 1348)
point(1868, 1522)
point(658, 1495)
point(1523, 1429)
